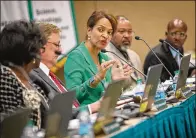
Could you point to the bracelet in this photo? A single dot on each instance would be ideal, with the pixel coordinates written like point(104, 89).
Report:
point(94, 80)
point(98, 77)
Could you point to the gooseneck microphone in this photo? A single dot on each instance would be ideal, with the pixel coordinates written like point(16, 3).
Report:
point(163, 41)
point(105, 51)
point(139, 38)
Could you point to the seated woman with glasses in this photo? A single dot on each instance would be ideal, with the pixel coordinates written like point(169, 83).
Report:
point(87, 69)
point(20, 43)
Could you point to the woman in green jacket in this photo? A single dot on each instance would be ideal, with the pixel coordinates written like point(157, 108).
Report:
point(87, 69)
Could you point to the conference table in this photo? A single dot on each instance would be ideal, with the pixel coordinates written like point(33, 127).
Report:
point(176, 121)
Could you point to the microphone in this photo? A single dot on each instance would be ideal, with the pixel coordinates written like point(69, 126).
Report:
point(139, 38)
point(163, 41)
point(105, 51)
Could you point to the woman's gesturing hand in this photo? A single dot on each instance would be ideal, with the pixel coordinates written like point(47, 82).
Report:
point(104, 67)
point(121, 72)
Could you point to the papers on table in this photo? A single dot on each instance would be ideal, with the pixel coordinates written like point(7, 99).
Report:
point(191, 80)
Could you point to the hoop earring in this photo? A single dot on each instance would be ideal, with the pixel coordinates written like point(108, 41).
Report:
point(34, 61)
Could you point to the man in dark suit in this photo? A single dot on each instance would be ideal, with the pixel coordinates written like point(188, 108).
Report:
point(176, 36)
point(44, 78)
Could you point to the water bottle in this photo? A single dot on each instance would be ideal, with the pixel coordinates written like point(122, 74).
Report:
point(85, 126)
point(175, 79)
point(29, 131)
point(138, 91)
point(160, 93)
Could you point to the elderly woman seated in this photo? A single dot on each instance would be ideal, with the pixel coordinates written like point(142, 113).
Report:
point(20, 43)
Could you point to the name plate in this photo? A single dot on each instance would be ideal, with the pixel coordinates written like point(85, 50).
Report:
point(160, 104)
point(184, 92)
point(106, 126)
point(187, 92)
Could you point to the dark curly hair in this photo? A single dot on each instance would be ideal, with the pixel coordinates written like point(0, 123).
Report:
point(20, 42)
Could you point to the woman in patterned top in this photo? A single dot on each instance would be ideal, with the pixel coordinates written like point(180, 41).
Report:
point(20, 43)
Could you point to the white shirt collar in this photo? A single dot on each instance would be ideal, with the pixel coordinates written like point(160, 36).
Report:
point(44, 68)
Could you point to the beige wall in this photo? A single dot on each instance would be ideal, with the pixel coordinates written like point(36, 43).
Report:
point(149, 19)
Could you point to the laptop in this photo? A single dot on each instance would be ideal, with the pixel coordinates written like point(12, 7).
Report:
point(183, 71)
point(153, 76)
point(110, 98)
point(181, 90)
point(13, 125)
point(108, 104)
point(59, 114)
point(113, 91)
point(147, 100)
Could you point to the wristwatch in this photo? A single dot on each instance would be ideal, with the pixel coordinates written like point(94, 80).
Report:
point(92, 79)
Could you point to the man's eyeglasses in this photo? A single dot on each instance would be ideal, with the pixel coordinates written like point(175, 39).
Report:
point(182, 35)
point(57, 45)
point(131, 33)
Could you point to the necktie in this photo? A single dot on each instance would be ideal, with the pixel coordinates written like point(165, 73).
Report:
point(177, 58)
point(58, 84)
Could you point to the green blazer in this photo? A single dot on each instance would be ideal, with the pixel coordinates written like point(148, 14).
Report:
point(78, 70)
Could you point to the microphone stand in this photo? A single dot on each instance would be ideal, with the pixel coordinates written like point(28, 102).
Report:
point(163, 41)
point(105, 51)
point(138, 38)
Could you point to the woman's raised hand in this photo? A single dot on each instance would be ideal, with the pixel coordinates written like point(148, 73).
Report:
point(104, 67)
point(121, 72)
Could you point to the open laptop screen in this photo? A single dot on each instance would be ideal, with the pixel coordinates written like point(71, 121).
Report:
point(184, 67)
point(153, 76)
point(110, 98)
point(59, 114)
